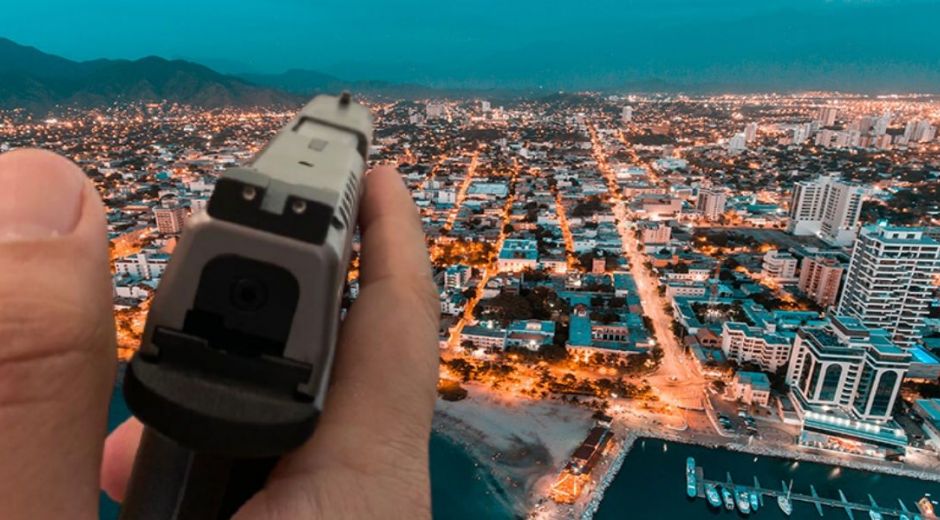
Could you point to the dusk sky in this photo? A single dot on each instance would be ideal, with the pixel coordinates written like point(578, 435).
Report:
point(874, 44)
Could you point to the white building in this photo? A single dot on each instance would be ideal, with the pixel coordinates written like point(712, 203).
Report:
point(750, 132)
point(761, 345)
point(751, 388)
point(847, 365)
point(890, 280)
point(826, 116)
point(711, 203)
point(144, 265)
point(779, 266)
point(919, 131)
point(737, 143)
point(626, 114)
point(827, 207)
point(517, 255)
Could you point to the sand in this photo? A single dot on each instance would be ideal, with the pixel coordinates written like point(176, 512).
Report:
point(524, 442)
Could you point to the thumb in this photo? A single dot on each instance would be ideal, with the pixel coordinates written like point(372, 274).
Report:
point(56, 337)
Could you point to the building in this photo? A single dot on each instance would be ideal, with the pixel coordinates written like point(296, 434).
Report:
point(759, 344)
point(711, 203)
point(827, 207)
point(145, 265)
point(737, 143)
point(654, 233)
point(919, 131)
point(483, 337)
point(890, 280)
point(821, 279)
point(826, 116)
point(517, 255)
point(170, 217)
point(457, 276)
point(752, 388)
point(780, 266)
point(929, 411)
point(844, 381)
point(626, 114)
point(530, 334)
point(750, 132)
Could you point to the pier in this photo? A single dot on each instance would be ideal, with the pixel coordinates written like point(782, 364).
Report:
point(841, 503)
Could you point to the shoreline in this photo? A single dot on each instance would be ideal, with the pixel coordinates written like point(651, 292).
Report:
point(802, 456)
point(519, 484)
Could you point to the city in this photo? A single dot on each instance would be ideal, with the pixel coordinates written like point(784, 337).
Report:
point(759, 272)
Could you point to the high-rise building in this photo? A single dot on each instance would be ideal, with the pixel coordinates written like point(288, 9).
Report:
point(889, 283)
point(170, 217)
point(711, 203)
point(846, 365)
point(485, 106)
point(821, 279)
point(750, 132)
point(826, 116)
point(881, 124)
point(737, 143)
point(919, 131)
point(827, 207)
point(626, 114)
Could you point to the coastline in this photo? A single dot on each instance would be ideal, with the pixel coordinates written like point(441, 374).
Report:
point(522, 443)
point(803, 456)
point(524, 482)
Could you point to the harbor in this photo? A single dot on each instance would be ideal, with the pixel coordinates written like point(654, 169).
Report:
point(653, 465)
point(751, 497)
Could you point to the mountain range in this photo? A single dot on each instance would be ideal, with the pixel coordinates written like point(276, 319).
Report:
point(38, 81)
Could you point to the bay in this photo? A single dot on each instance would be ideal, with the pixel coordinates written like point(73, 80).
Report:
point(651, 483)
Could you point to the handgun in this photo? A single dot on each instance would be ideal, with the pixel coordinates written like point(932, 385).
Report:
point(234, 361)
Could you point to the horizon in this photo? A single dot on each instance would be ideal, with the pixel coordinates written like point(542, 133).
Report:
point(802, 45)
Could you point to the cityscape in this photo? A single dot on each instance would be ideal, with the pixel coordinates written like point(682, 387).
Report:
point(757, 272)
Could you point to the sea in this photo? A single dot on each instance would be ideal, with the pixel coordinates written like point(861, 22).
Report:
point(650, 485)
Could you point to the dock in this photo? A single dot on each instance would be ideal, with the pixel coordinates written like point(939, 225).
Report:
point(847, 506)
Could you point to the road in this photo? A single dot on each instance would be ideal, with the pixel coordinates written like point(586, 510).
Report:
point(676, 380)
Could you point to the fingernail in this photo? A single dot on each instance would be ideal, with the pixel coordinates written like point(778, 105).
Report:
point(40, 196)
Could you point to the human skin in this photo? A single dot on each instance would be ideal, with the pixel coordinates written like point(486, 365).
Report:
point(368, 457)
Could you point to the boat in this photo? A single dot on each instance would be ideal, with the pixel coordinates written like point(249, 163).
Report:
point(874, 515)
point(925, 506)
point(711, 493)
point(786, 505)
point(728, 498)
point(743, 501)
point(755, 503)
point(691, 489)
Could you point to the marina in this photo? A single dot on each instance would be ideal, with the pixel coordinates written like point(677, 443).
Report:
point(749, 499)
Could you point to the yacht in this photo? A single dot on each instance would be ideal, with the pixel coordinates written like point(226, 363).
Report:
point(728, 498)
point(786, 505)
point(711, 493)
point(743, 501)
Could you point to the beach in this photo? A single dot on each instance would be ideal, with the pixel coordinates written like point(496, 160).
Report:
point(524, 443)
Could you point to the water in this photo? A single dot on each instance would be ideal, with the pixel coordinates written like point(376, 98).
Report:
point(651, 484)
point(461, 489)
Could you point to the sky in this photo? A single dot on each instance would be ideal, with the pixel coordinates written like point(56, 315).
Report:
point(869, 44)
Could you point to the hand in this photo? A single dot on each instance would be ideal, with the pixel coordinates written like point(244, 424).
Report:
point(369, 455)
